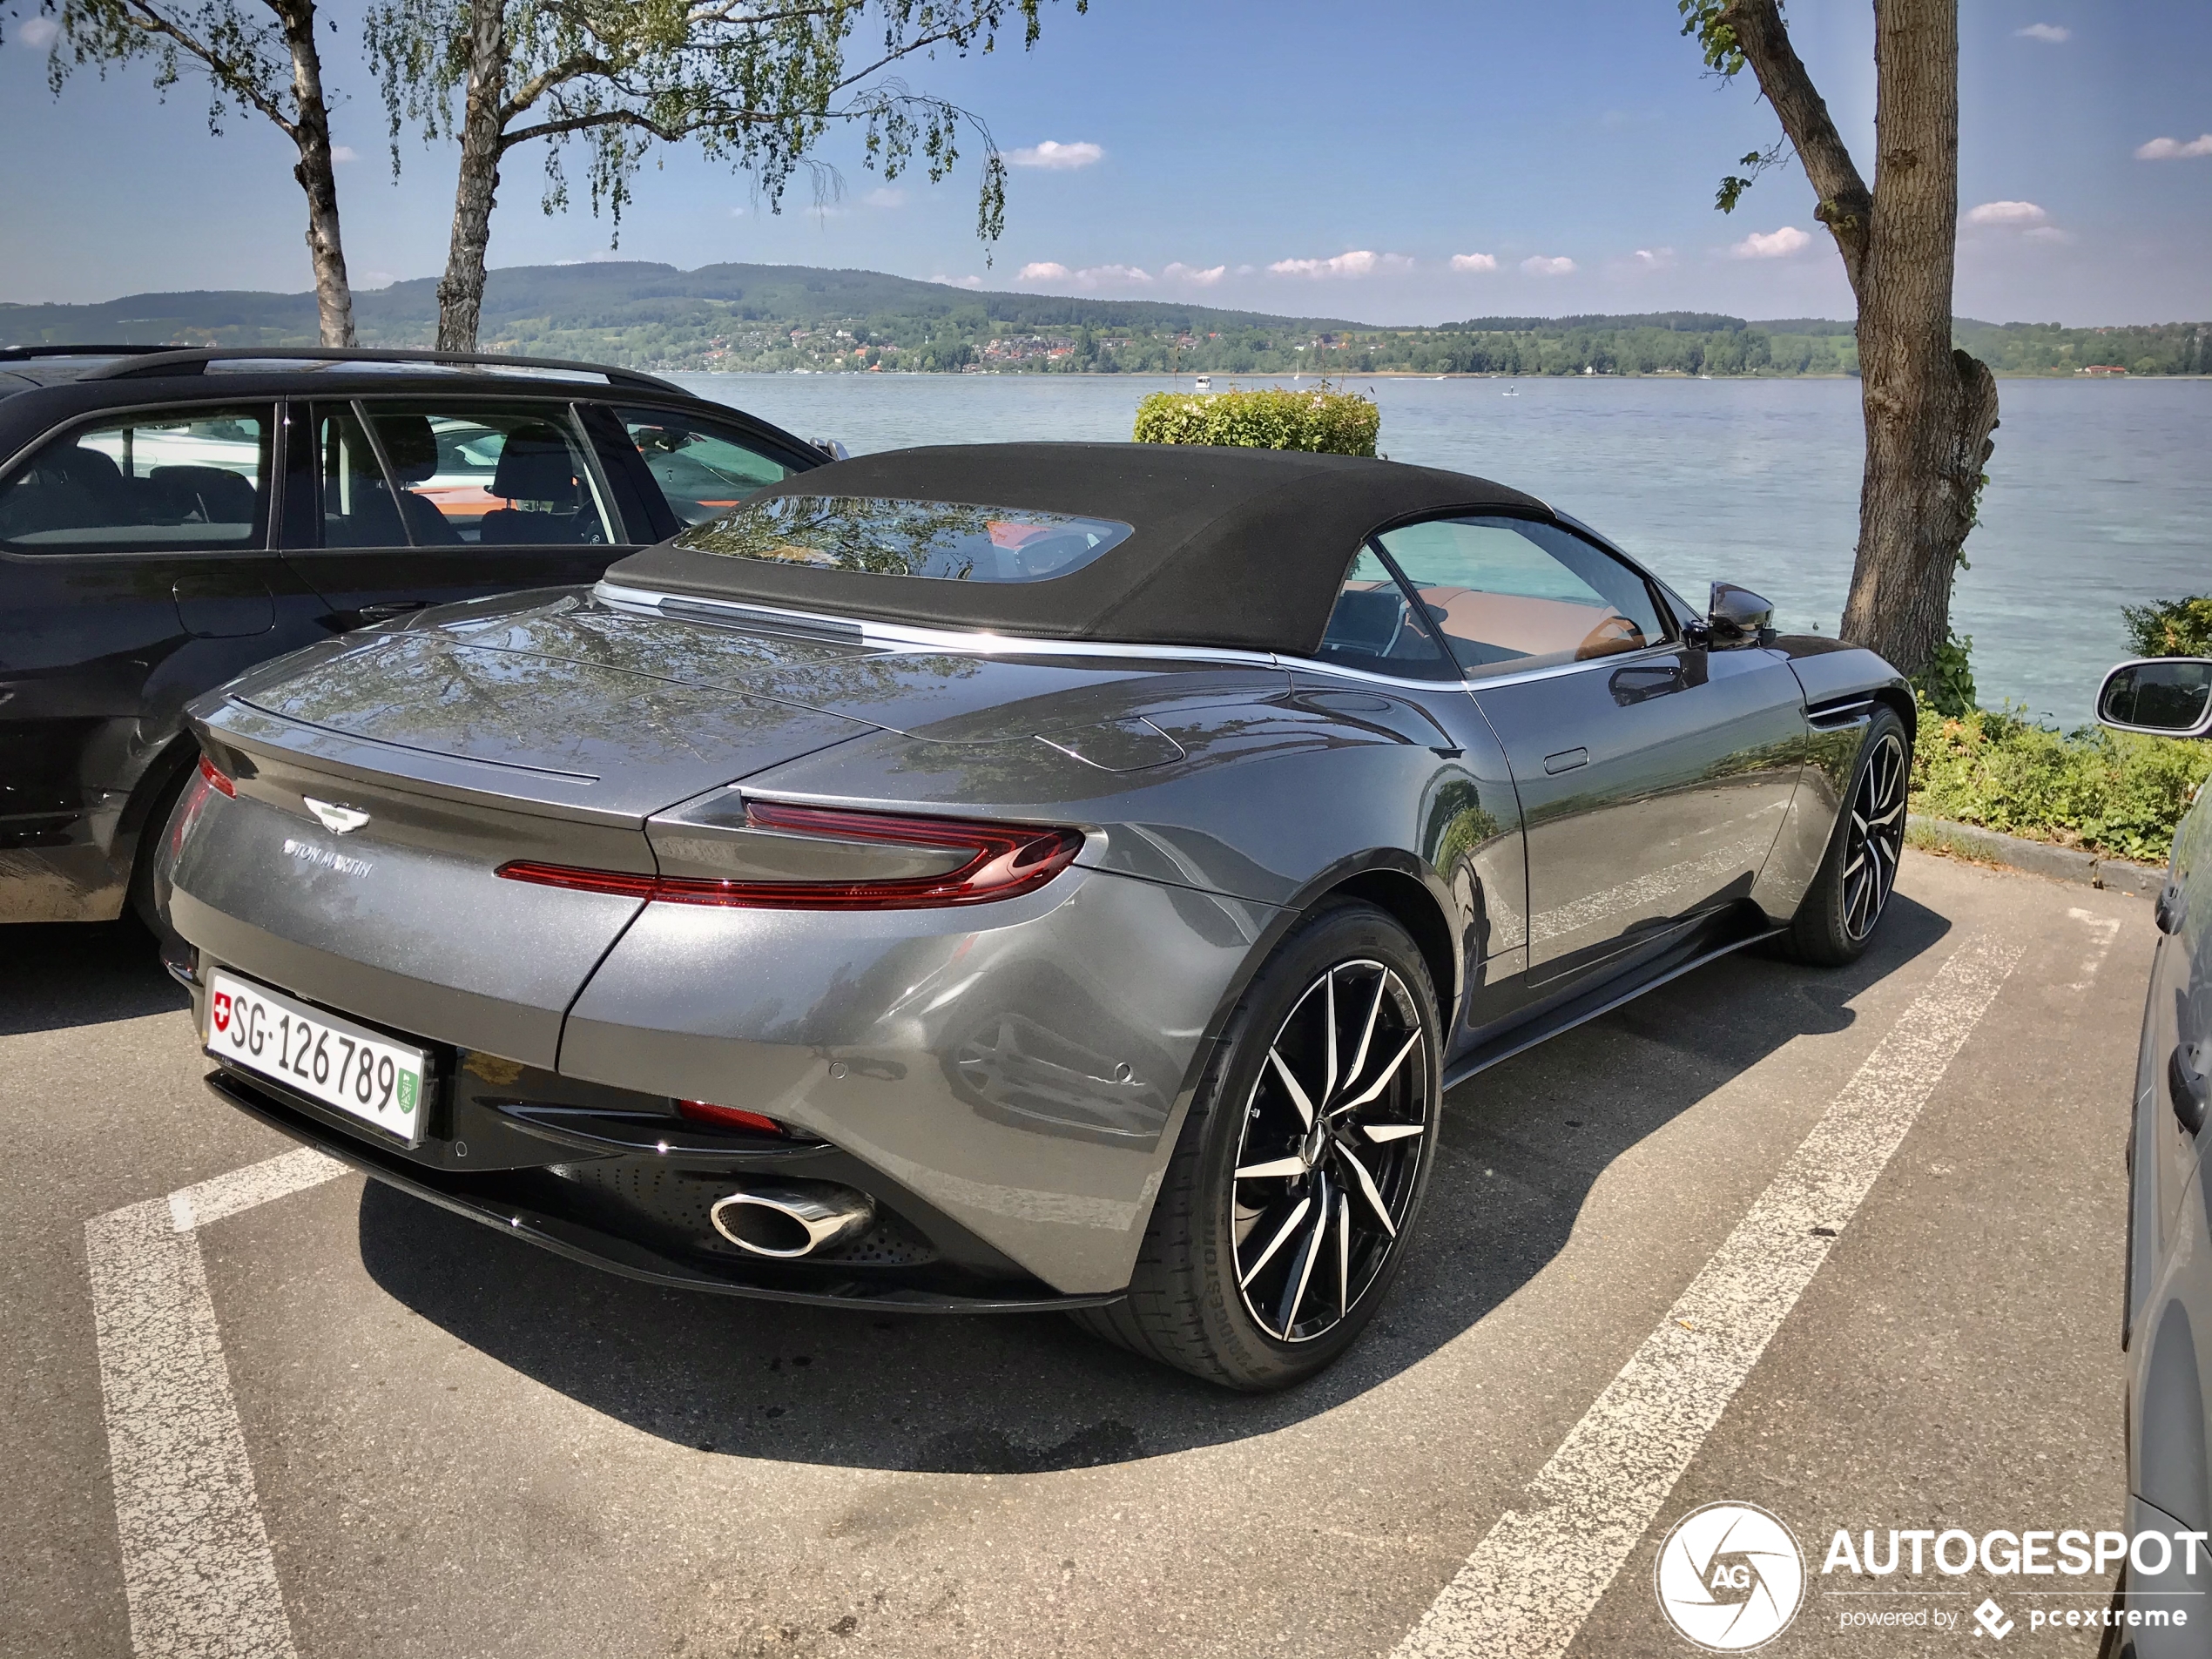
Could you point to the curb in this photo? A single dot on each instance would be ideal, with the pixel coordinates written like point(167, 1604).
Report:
point(2037, 857)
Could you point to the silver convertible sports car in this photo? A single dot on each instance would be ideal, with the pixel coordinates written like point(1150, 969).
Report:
point(1011, 877)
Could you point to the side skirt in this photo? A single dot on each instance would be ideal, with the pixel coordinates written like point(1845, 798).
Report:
point(1601, 999)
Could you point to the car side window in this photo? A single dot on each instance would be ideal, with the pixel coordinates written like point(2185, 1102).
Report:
point(703, 470)
point(173, 481)
point(1374, 627)
point(485, 475)
point(1511, 593)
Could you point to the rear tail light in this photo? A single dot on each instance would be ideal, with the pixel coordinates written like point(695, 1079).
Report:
point(215, 780)
point(706, 1111)
point(1003, 860)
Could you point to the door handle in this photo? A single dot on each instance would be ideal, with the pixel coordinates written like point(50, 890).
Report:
point(2186, 1081)
point(2169, 911)
point(345, 622)
point(1567, 760)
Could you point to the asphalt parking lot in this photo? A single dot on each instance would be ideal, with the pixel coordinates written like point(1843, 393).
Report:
point(455, 1444)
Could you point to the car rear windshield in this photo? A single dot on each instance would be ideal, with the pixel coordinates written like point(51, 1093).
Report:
point(942, 541)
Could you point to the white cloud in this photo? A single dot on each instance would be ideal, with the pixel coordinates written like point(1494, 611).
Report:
point(1179, 272)
point(1474, 261)
point(2174, 149)
point(39, 33)
point(343, 152)
point(1090, 276)
point(1060, 158)
point(369, 281)
point(2049, 233)
point(884, 198)
point(2055, 33)
point(2013, 215)
point(737, 212)
point(1771, 244)
point(1244, 269)
point(1548, 265)
point(958, 281)
point(1359, 262)
point(1651, 258)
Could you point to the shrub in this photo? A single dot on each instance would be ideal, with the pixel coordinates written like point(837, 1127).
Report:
point(2114, 793)
point(1326, 422)
point(2171, 627)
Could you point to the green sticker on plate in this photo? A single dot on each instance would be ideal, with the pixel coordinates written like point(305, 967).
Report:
point(408, 1083)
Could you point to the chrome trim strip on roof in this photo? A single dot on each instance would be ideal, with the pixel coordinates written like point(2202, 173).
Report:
point(898, 636)
point(895, 635)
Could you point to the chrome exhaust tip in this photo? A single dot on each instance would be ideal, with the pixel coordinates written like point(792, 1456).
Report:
point(789, 1222)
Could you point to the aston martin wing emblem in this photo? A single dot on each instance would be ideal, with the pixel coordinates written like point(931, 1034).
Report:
point(338, 819)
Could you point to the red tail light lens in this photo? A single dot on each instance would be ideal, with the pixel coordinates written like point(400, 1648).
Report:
point(215, 779)
point(706, 1111)
point(1005, 860)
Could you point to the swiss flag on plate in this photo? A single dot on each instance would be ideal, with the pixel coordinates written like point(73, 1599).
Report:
point(221, 1008)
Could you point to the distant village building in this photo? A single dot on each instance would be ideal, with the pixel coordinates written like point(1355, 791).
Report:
point(2101, 369)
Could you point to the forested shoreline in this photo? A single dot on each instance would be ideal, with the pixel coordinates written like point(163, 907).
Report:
point(779, 319)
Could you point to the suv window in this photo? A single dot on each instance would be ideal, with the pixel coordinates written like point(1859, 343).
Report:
point(1510, 593)
point(170, 481)
point(1374, 627)
point(703, 470)
point(513, 476)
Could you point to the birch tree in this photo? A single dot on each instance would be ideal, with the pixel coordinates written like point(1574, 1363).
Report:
point(754, 83)
point(258, 58)
point(1929, 408)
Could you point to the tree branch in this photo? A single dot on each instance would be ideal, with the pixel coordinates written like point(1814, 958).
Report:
point(615, 118)
point(544, 81)
point(1846, 206)
point(144, 17)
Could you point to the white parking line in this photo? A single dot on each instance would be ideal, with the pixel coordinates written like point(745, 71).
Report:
point(1538, 1573)
point(197, 1571)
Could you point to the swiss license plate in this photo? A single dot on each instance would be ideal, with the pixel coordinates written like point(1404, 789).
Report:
point(335, 1061)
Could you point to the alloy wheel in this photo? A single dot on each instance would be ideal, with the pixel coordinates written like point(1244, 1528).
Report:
point(1875, 836)
point(1330, 1155)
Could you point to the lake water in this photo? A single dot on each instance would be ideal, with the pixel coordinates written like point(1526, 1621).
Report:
point(2100, 492)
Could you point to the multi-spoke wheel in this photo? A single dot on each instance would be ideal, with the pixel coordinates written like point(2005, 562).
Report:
point(1859, 871)
point(1324, 1169)
point(1286, 1207)
point(1874, 834)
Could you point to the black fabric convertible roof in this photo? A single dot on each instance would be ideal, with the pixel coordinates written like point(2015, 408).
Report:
point(1241, 548)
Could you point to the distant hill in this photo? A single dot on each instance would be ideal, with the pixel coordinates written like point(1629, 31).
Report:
point(610, 295)
point(773, 318)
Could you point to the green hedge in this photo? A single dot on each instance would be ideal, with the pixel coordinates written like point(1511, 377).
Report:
point(1327, 423)
point(2114, 792)
point(2171, 627)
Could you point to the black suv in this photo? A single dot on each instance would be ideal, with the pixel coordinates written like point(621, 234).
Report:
point(168, 518)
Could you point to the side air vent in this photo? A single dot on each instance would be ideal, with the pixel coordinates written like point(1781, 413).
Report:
point(1838, 711)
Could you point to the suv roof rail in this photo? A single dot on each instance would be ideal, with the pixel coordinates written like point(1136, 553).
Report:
point(194, 359)
point(24, 353)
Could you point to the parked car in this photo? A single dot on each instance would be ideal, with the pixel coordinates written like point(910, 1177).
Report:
point(170, 518)
point(1022, 876)
point(2168, 1327)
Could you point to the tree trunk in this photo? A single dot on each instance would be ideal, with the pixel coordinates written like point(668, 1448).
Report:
point(317, 177)
point(1930, 409)
point(460, 292)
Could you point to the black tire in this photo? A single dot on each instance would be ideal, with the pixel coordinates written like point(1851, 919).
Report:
point(147, 900)
point(1837, 919)
point(1268, 1251)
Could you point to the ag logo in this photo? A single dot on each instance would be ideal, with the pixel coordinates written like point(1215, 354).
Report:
point(1731, 1577)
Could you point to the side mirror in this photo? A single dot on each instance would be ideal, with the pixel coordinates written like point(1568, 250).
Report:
point(1736, 616)
point(833, 449)
point(2168, 696)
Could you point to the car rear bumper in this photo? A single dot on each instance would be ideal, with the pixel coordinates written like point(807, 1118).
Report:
point(1004, 1080)
point(504, 1200)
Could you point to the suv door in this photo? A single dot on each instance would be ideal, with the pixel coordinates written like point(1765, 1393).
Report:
point(392, 505)
point(1653, 776)
point(136, 572)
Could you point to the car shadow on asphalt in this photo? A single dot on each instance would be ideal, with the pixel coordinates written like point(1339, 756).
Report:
point(61, 973)
point(1523, 1144)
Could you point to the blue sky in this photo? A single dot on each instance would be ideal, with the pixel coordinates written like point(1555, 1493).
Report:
point(1392, 162)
